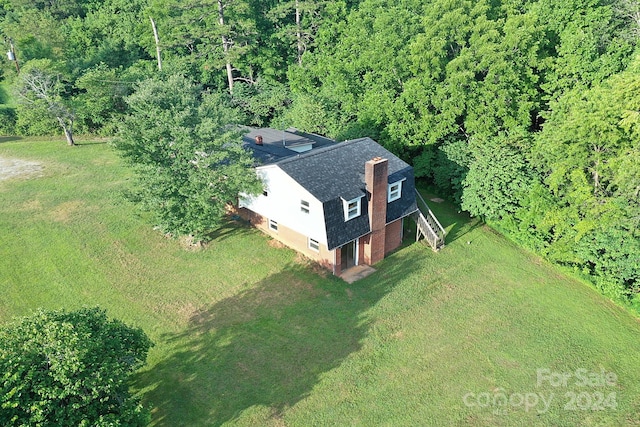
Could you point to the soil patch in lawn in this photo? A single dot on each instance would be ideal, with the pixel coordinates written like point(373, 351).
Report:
point(12, 168)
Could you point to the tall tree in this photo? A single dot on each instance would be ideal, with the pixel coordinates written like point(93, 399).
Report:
point(586, 153)
point(40, 88)
point(187, 153)
point(499, 177)
point(297, 22)
point(212, 35)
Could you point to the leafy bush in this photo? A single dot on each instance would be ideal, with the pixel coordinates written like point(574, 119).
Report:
point(7, 121)
point(70, 369)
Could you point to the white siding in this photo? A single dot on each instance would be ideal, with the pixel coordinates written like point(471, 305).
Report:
point(282, 204)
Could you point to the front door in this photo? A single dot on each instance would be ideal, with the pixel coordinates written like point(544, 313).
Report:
point(348, 255)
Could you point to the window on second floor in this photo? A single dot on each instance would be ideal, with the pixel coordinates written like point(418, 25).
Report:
point(351, 208)
point(394, 191)
point(304, 206)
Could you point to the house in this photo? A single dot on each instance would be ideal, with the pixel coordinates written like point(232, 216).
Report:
point(340, 204)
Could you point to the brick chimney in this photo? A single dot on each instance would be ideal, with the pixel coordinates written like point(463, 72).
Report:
point(376, 175)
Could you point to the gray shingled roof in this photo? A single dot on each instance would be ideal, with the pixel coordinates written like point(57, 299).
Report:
point(275, 143)
point(333, 172)
point(338, 170)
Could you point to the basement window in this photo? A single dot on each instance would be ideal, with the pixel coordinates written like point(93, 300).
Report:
point(314, 245)
point(304, 206)
point(351, 208)
point(273, 225)
point(394, 192)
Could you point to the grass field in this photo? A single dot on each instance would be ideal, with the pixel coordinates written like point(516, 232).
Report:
point(248, 334)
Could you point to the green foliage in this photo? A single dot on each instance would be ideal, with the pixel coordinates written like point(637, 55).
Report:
point(34, 119)
point(612, 255)
point(447, 165)
point(498, 178)
point(7, 120)
point(70, 369)
point(585, 43)
point(42, 95)
point(587, 153)
point(266, 341)
point(113, 32)
point(309, 113)
point(187, 153)
point(101, 104)
point(261, 102)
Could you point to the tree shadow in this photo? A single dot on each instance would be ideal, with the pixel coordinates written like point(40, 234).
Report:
point(456, 222)
point(459, 228)
point(81, 143)
point(264, 347)
point(9, 138)
point(231, 227)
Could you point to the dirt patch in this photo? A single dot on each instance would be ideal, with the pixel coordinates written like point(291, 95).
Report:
point(276, 244)
point(64, 211)
point(13, 168)
point(437, 199)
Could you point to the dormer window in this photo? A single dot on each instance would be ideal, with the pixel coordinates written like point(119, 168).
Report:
point(394, 191)
point(351, 208)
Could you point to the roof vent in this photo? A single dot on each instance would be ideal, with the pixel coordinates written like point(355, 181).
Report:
point(258, 139)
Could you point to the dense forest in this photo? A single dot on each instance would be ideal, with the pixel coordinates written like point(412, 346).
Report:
point(525, 112)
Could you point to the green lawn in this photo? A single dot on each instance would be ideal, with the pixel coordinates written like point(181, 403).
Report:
point(247, 334)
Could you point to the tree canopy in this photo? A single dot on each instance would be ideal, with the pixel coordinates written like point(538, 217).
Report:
point(70, 369)
point(188, 155)
point(523, 111)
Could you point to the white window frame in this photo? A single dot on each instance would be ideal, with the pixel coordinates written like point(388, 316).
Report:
point(354, 212)
point(304, 206)
point(313, 244)
point(273, 225)
point(393, 195)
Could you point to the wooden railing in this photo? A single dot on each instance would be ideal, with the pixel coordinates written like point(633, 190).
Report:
point(428, 225)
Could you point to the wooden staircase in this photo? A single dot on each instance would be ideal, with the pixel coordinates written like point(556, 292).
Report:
point(428, 225)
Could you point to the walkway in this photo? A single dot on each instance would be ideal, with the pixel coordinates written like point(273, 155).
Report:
point(358, 272)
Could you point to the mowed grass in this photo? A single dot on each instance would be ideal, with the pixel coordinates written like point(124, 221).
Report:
point(247, 333)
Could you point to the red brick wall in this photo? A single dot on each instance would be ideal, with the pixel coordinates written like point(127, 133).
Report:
point(375, 176)
point(393, 238)
point(337, 268)
point(291, 238)
point(361, 245)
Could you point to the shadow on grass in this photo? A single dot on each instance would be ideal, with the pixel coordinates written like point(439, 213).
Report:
point(229, 228)
point(263, 349)
point(10, 138)
point(464, 225)
point(90, 142)
point(456, 223)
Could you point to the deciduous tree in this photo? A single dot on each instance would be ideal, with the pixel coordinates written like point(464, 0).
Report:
point(40, 88)
point(62, 368)
point(187, 151)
